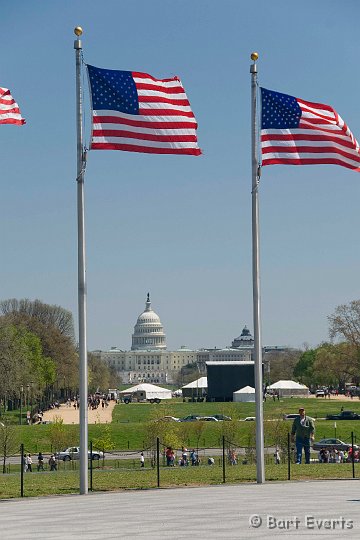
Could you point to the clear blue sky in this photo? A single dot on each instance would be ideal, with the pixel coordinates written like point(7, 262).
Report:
point(180, 226)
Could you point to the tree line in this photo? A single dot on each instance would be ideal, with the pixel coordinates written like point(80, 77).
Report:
point(333, 363)
point(39, 361)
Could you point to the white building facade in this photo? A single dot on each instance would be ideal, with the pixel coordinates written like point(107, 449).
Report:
point(150, 361)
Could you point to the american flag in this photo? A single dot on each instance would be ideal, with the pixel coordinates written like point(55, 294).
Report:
point(9, 109)
point(298, 132)
point(135, 112)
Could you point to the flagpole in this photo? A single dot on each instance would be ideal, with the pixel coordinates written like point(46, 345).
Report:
point(81, 274)
point(260, 466)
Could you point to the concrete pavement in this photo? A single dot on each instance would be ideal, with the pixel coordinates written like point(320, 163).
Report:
point(217, 512)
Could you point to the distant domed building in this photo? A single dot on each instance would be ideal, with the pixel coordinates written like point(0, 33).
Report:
point(150, 361)
point(244, 340)
point(148, 331)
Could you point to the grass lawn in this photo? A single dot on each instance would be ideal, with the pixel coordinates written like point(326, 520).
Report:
point(128, 428)
point(317, 408)
point(128, 432)
point(110, 479)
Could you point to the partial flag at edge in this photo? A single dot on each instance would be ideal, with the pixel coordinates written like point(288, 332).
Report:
point(9, 109)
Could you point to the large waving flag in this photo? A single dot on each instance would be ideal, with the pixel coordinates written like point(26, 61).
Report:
point(135, 112)
point(298, 132)
point(9, 109)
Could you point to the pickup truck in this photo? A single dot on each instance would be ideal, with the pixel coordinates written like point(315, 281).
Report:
point(344, 415)
point(74, 453)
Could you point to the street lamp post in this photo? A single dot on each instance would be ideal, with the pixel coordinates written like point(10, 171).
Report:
point(21, 396)
point(28, 414)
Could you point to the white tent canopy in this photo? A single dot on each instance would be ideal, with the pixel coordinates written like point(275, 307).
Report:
point(289, 388)
point(245, 394)
point(148, 391)
point(196, 388)
point(199, 383)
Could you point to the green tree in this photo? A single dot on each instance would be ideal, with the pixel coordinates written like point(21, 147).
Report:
point(58, 434)
point(9, 441)
point(22, 361)
point(55, 345)
point(13, 362)
point(103, 439)
point(276, 434)
point(187, 374)
point(280, 365)
point(197, 429)
point(345, 323)
point(335, 364)
point(304, 369)
point(49, 315)
point(168, 432)
point(98, 374)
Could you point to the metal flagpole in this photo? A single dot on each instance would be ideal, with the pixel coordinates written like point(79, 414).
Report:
point(81, 274)
point(260, 467)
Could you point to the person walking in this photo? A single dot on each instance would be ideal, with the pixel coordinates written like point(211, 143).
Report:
point(52, 463)
point(194, 457)
point(303, 431)
point(142, 460)
point(40, 466)
point(28, 462)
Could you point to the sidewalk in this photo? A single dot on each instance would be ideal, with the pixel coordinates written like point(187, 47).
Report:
point(69, 415)
point(328, 509)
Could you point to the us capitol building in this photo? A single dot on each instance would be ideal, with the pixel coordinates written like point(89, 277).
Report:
point(150, 361)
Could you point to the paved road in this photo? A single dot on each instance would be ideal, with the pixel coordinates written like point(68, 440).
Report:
point(212, 513)
point(203, 452)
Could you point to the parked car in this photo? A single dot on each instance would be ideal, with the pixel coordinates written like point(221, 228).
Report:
point(250, 419)
point(343, 415)
point(169, 419)
point(337, 444)
point(190, 418)
point(222, 417)
point(73, 453)
point(208, 419)
point(290, 416)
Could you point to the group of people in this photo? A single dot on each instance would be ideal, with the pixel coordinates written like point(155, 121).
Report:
point(54, 405)
point(94, 401)
point(303, 432)
point(184, 460)
point(332, 455)
point(28, 462)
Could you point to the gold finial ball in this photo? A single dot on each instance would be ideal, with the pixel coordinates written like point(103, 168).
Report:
point(78, 30)
point(254, 56)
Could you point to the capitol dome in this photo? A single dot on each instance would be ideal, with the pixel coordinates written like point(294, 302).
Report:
point(148, 330)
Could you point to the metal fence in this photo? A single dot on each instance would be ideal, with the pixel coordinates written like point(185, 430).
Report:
point(152, 466)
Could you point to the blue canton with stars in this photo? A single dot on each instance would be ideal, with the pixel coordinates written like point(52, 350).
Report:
point(279, 111)
point(113, 90)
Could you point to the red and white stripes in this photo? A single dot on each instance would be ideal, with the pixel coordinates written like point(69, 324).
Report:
point(165, 123)
point(9, 109)
point(322, 137)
